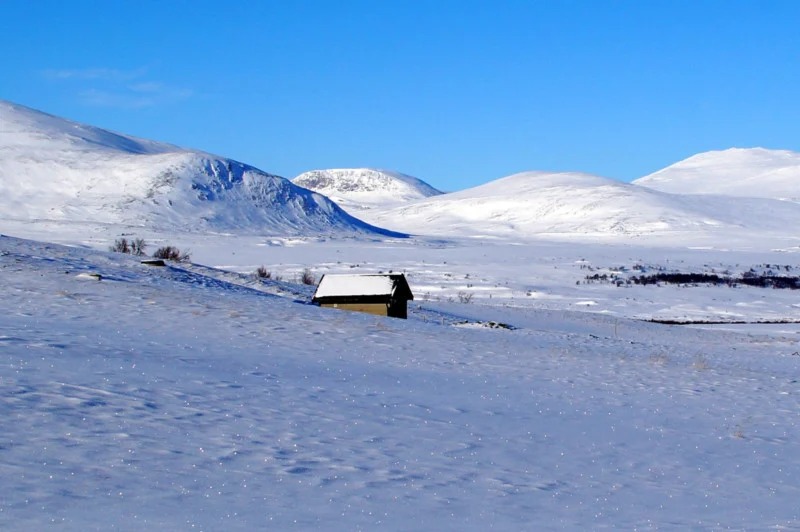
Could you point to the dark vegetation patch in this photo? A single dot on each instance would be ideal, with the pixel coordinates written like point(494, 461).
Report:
point(307, 278)
point(135, 246)
point(262, 273)
point(719, 322)
point(487, 324)
point(761, 276)
point(172, 253)
point(761, 281)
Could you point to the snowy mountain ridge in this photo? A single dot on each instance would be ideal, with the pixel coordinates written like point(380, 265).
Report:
point(750, 172)
point(571, 203)
point(56, 169)
point(358, 189)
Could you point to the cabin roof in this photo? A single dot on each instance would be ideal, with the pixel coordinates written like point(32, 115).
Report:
point(349, 285)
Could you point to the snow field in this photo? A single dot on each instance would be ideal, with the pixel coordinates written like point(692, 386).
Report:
point(160, 397)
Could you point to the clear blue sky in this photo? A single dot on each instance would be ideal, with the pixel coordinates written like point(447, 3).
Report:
point(456, 92)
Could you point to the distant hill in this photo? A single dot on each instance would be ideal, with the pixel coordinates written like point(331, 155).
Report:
point(52, 169)
point(536, 203)
point(56, 169)
point(360, 189)
point(752, 172)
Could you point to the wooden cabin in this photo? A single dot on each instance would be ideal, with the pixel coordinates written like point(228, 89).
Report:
point(380, 294)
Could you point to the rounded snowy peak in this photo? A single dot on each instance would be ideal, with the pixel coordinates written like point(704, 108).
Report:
point(524, 183)
point(569, 203)
point(366, 188)
point(744, 172)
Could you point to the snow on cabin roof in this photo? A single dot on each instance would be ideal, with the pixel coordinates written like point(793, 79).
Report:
point(339, 285)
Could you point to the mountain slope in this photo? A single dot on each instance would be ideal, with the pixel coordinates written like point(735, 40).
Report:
point(533, 203)
point(55, 169)
point(753, 172)
point(358, 189)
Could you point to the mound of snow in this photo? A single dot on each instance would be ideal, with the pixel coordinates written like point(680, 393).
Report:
point(359, 189)
point(55, 169)
point(753, 172)
point(532, 203)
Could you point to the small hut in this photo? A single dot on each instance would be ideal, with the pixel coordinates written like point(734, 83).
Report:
point(380, 294)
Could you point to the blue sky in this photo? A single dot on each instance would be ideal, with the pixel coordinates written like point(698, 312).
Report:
point(455, 92)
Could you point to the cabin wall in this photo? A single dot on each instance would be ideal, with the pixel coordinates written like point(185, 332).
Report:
point(398, 309)
point(379, 309)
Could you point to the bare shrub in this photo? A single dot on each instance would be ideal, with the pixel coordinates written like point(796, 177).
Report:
point(172, 253)
point(701, 363)
point(465, 297)
point(307, 277)
point(659, 359)
point(262, 273)
point(132, 247)
point(121, 245)
point(137, 247)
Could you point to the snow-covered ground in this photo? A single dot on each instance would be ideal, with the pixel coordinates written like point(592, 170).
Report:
point(527, 389)
point(555, 273)
point(190, 398)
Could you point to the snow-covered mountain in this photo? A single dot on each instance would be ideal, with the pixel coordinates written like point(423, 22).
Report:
point(56, 169)
point(532, 203)
point(753, 172)
point(360, 189)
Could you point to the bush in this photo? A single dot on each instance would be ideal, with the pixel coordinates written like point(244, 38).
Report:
point(307, 277)
point(134, 247)
point(172, 253)
point(262, 273)
point(137, 247)
point(465, 297)
point(121, 245)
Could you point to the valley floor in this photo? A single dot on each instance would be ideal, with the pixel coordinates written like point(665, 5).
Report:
point(190, 398)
